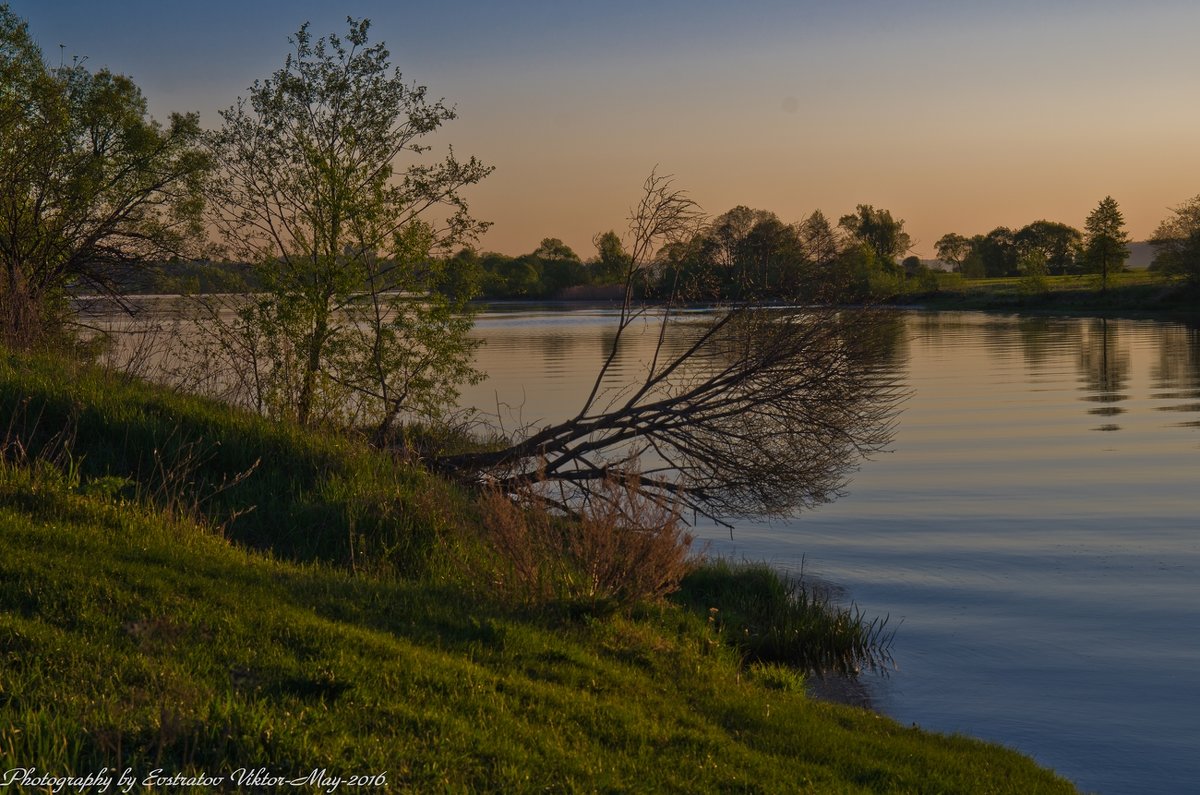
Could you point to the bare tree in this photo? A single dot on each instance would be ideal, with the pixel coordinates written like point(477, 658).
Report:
point(744, 410)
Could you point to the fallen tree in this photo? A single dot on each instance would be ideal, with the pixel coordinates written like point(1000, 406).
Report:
point(744, 410)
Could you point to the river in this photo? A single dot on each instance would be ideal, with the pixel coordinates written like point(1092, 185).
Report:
point(1033, 534)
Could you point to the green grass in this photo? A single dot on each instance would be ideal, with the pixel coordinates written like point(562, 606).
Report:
point(143, 631)
point(303, 496)
point(772, 617)
point(1135, 290)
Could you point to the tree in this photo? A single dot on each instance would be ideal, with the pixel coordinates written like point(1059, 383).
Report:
point(612, 261)
point(954, 249)
point(780, 256)
point(884, 234)
point(998, 252)
point(90, 185)
point(1176, 242)
point(820, 243)
point(511, 277)
point(560, 266)
point(324, 188)
point(1054, 243)
point(751, 411)
point(741, 257)
point(1105, 242)
point(862, 276)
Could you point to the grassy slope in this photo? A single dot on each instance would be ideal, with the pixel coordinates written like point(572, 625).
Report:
point(131, 635)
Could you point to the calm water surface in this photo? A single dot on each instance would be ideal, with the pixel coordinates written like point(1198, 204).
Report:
point(1033, 536)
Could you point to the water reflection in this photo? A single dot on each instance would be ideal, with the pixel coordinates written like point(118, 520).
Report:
point(1104, 369)
point(888, 345)
point(1041, 339)
point(1177, 373)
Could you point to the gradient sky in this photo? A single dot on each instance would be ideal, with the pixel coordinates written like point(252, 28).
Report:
point(956, 116)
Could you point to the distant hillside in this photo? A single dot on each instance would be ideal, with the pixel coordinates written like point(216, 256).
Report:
point(1140, 255)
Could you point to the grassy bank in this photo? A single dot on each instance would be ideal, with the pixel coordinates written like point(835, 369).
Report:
point(187, 588)
point(1132, 291)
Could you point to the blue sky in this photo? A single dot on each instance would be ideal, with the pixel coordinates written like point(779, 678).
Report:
point(956, 116)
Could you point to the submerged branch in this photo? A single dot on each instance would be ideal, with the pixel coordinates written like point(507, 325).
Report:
point(751, 411)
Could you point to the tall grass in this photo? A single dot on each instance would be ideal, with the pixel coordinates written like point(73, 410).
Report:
point(774, 617)
point(624, 548)
point(272, 486)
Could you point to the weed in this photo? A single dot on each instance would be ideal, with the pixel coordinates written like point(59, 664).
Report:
point(771, 616)
point(624, 547)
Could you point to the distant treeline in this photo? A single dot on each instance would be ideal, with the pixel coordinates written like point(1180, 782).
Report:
point(747, 253)
point(752, 253)
point(740, 254)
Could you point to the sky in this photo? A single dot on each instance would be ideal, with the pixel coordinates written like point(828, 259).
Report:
point(955, 116)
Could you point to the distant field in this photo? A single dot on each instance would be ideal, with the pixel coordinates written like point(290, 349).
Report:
point(1130, 290)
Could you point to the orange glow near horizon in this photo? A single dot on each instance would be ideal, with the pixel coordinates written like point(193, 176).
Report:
point(955, 117)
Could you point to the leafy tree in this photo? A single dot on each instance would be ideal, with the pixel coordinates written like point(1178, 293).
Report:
point(324, 188)
point(559, 265)
point(612, 260)
point(1032, 267)
point(1002, 252)
point(551, 249)
point(954, 249)
point(818, 239)
point(729, 231)
point(511, 277)
point(884, 234)
point(464, 274)
point(686, 270)
point(998, 252)
point(773, 256)
point(1053, 242)
point(90, 185)
point(726, 242)
point(863, 276)
point(1176, 242)
point(820, 248)
point(1105, 242)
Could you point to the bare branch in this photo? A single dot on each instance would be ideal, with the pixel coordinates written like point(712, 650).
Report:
point(743, 410)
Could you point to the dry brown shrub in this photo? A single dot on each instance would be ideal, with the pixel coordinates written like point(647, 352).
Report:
point(623, 547)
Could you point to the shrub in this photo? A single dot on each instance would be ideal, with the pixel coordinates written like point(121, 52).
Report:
point(622, 548)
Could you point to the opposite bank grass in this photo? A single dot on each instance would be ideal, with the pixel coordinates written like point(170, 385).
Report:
point(151, 633)
point(1127, 291)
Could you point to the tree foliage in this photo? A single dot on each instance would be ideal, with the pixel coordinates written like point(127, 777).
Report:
point(954, 249)
point(997, 252)
point(818, 240)
point(743, 253)
point(612, 260)
point(1105, 241)
point(325, 187)
point(876, 228)
point(1046, 246)
point(1176, 242)
point(1053, 243)
point(90, 185)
